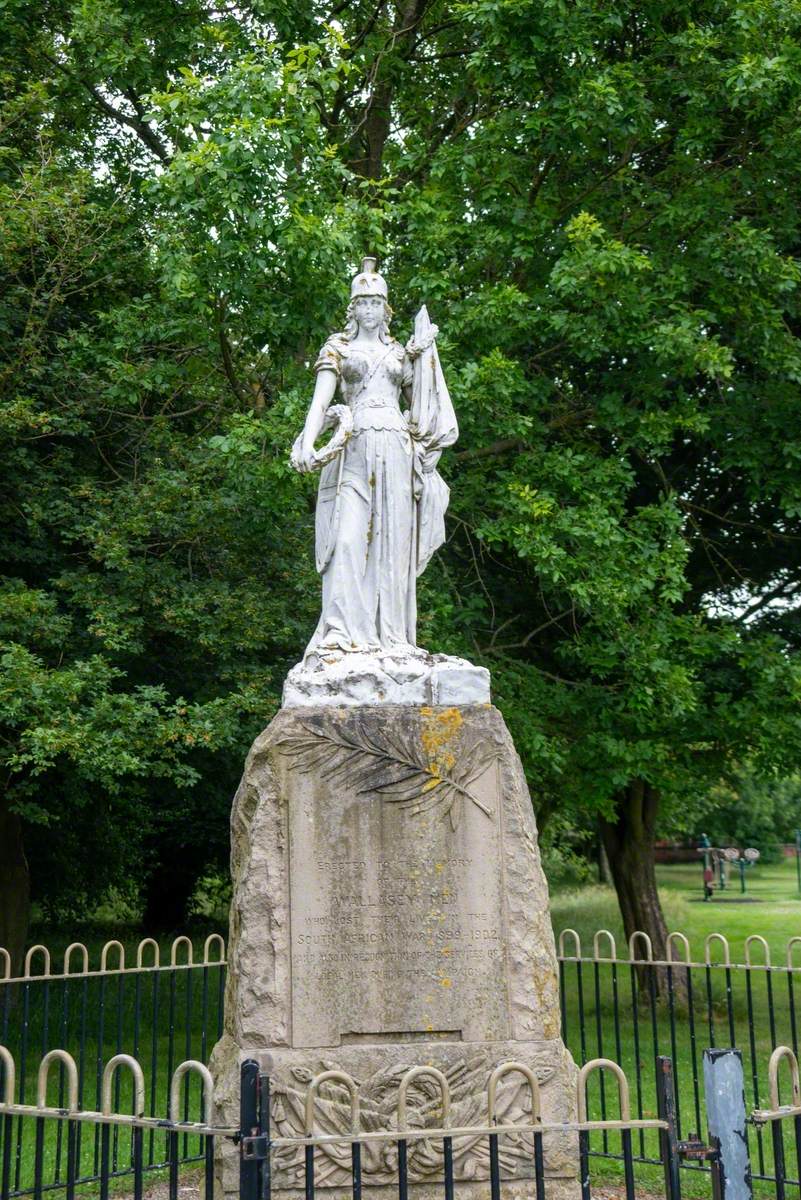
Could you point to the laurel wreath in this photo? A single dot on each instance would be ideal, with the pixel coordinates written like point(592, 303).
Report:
point(338, 417)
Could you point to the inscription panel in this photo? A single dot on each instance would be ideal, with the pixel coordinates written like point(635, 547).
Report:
point(397, 922)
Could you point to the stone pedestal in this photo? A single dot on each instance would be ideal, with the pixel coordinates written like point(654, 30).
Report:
point(389, 910)
point(409, 677)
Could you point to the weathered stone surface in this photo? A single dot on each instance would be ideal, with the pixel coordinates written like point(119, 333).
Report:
point(411, 676)
point(390, 910)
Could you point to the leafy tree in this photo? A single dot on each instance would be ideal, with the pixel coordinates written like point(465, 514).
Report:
point(598, 203)
point(95, 662)
point(626, 287)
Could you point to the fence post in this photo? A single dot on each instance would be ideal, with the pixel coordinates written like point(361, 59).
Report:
point(668, 1138)
point(726, 1118)
point(777, 1135)
point(265, 1181)
point(248, 1127)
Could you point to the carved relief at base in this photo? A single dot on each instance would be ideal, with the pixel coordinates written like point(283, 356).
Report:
point(378, 1096)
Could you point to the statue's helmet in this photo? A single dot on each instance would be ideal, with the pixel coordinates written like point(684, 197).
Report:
point(368, 282)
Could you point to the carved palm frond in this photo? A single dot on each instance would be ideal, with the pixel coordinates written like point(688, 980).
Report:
point(378, 1094)
point(371, 760)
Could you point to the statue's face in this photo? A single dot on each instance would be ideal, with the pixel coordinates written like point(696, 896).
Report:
point(369, 311)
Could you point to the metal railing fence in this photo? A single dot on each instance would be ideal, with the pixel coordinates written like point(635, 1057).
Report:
point(784, 1120)
point(163, 1010)
point(636, 1008)
point(628, 1007)
point(70, 1145)
point(498, 1149)
point(260, 1152)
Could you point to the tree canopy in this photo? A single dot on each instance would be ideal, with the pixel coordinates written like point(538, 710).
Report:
point(597, 201)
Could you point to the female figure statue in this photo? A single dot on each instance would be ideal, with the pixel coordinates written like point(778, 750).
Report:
point(381, 502)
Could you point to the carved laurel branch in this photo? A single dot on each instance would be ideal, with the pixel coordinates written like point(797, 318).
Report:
point(371, 760)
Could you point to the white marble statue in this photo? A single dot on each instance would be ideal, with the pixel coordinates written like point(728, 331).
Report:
point(380, 509)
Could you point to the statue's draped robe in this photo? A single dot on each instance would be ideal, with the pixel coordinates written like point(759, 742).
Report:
point(381, 503)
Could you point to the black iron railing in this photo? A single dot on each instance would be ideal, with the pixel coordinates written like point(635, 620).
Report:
point(626, 1007)
point(364, 1157)
point(160, 1012)
point(783, 1120)
point(119, 1138)
point(260, 1149)
point(636, 1008)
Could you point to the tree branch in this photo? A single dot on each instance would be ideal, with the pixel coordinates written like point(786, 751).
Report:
point(783, 591)
point(136, 123)
point(771, 534)
point(228, 362)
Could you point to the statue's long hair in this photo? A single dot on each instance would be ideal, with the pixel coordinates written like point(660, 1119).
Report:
point(352, 325)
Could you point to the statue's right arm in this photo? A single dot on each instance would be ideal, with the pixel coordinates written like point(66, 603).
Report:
point(324, 390)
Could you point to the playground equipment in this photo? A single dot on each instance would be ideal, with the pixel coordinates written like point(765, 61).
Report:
point(719, 857)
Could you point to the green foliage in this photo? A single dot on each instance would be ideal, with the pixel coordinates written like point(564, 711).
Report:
point(598, 202)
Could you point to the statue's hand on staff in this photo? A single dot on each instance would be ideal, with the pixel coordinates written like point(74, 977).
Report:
point(304, 457)
point(415, 346)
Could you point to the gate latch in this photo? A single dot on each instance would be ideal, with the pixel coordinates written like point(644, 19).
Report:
point(696, 1150)
point(255, 1148)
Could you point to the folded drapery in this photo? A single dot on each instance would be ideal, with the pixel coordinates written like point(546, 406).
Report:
point(433, 426)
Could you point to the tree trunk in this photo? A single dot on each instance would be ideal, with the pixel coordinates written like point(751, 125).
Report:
point(169, 890)
point(367, 142)
point(604, 870)
point(15, 889)
point(629, 843)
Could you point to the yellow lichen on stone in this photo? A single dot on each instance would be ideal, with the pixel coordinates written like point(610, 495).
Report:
point(438, 734)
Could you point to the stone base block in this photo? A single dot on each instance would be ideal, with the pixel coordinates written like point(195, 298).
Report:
point(378, 1070)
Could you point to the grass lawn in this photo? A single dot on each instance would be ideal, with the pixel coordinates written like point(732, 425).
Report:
point(775, 913)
